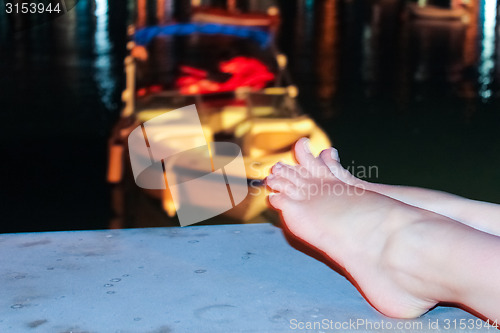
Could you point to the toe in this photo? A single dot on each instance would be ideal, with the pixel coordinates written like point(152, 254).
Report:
point(331, 159)
point(303, 153)
point(306, 159)
point(334, 153)
point(295, 174)
point(328, 156)
point(284, 186)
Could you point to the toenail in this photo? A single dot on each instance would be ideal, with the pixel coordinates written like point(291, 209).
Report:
point(278, 165)
point(306, 146)
point(335, 154)
point(270, 177)
point(272, 194)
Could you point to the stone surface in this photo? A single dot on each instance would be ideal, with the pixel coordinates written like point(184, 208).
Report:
point(231, 278)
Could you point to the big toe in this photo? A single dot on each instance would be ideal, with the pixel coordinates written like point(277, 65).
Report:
point(315, 166)
point(330, 158)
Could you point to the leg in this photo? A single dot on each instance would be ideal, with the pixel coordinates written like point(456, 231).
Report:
point(404, 259)
point(483, 216)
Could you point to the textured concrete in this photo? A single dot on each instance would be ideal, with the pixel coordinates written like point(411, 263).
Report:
point(232, 278)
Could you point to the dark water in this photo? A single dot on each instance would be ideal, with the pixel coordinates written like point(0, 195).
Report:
point(419, 101)
point(60, 86)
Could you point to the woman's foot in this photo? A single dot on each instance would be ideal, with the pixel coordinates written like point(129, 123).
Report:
point(482, 216)
point(373, 237)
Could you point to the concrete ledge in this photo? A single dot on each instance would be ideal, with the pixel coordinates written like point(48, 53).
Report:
point(231, 278)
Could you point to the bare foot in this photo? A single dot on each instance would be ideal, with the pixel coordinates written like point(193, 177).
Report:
point(370, 235)
point(482, 216)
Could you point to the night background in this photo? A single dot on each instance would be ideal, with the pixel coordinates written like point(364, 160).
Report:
point(419, 100)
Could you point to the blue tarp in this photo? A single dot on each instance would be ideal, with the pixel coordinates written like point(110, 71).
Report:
point(145, 35)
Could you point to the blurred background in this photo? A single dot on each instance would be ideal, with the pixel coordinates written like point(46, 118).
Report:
point(417, 98)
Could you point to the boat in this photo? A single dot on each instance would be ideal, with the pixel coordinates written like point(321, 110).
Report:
point(251, 103)
point(267, 21)
point(435, 13)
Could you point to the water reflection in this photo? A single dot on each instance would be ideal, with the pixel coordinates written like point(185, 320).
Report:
point(327, 42)
point(159, 12)
point(106, 82)
point(304, 24)
point(381, 35)
point(3, 25)
point(141, 13)
point(60, 93)
point(386, 52)
point(486, 62)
